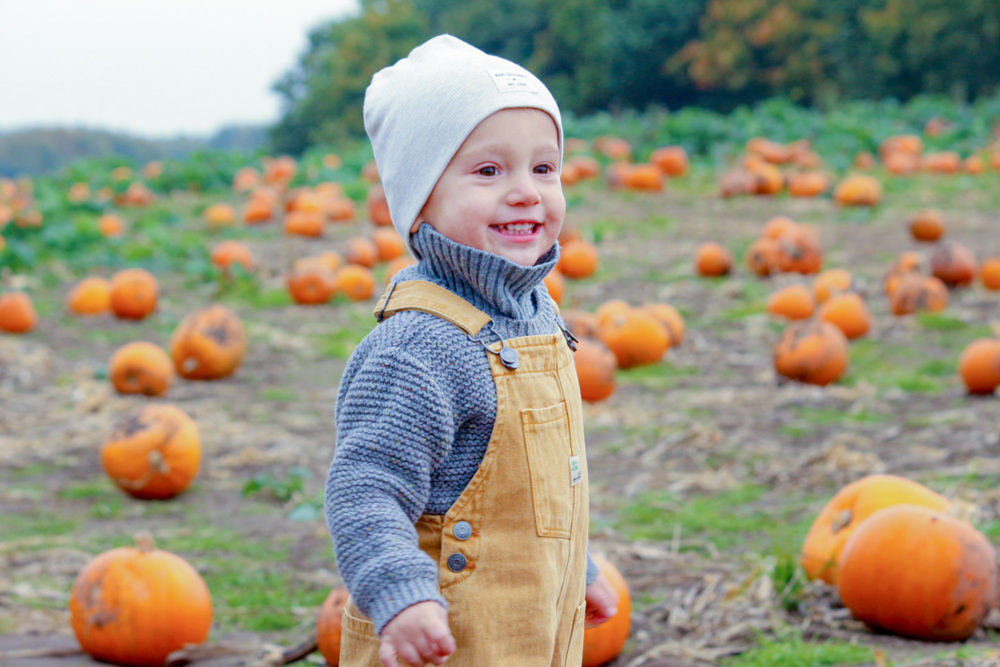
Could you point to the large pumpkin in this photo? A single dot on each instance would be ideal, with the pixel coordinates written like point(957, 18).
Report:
point(153, 452)
point(141, 367)
point(602, 643)
point(595, 369)
point(328, 625)
point(208, 344)
point(635, 337)
point(134, 294)
point(848, 508)
point(135, 606)
point(918, 573)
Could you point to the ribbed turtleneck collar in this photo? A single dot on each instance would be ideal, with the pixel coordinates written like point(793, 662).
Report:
point(491, 283)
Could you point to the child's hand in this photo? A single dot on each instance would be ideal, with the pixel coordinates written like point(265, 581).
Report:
point(417, 635)
point(602, 602)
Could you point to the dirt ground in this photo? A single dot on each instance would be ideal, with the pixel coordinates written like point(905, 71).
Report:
point(714, 428)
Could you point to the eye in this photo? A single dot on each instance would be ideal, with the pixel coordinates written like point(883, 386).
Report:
point(488, 170)
point(544, 169)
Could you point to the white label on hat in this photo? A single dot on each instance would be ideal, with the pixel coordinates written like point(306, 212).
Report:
point(511, 81)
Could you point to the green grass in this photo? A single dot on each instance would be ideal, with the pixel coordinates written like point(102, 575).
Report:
point(663, 375)
point(283, 394)
point(742, 518)
point(792, 650)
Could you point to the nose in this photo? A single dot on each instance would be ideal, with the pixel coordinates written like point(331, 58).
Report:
point(523, 190)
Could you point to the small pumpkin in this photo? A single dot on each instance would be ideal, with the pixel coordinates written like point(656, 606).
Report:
point(851, 505)
point(979, 366)
point(17, 312)
point(793, 302)
point(926, 225)
point(603, 643)
point(311, 282)
point(581, 323)
point(954, 264)
point(134, 294)
point(208, 344)
point(226, 253)
point(989, 273)
point(218, 216)
point(712, 259)
point(245, 179)
point(137, 605)
point(329, 624)
point(397, 265)
point(858, 190)
point(110, 225)
point(799, 251)
point(578, 259)
point(361, 251)
point(635, 337)
point(377, 206)
point(811, 351)
point(91, 296)
point(916, 292)
point(280, 171)
point(596, 365)
point(761, 257)
point(153, 452)
point(808, 184)
point(356, 282)
point(778, 226)
point(141, 367)
point(304, 223)
point(942, 595)
point(388, 244)
point(555, 284)
point(670, 318)
point(831, 282)
point(848, 313)
point(645, 177)
point(671, 160)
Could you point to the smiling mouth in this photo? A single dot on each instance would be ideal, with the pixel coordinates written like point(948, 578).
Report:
point(517, 228)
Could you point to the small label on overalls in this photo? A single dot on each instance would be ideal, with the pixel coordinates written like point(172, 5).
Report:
point(575, 471)
point(509, 81)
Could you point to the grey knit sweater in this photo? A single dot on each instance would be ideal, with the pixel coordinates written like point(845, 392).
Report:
point(415, 413)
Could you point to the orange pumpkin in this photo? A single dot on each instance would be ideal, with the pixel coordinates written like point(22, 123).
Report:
point(208, 344)
point(581, 323)
point(647, 177)
point(378, 206)
point(843, 513)
point(577, 259)
point(586, 167)
point(989, 273)
point(603, 643)
point(914, 292)
point(918, 573)
point(595, 369)
point(304, 223)
point(136, 606)
point(17, 312)
point(670, 318)
point(954, 264)
point(831, 282)
point(942, 162)
point(280, 171)
point(777, 227)
point(361, 251)
point(979, 366)
point(134, 294)
point(848, 313)
point(227, 253)
point(555, 284)
point(908, 262)
point(712, 259)
point(258, 209)
point(397, 265)
point(356, 282)
point(110, 225)
point(635, 337)
point(91, 296)
point(218, 216)
point(794, 302)
point(671, 160)
point(245, 179)
point(926, 225)
point(388, 244)
point(811, 351)
point(808, 184)
point(311, 282)
point(761, 257)
point(141, 367)
point(329, 624)
point(858, 190)
point(153, 452)
point(799, 251)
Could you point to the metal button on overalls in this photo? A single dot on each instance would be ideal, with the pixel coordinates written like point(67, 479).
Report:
point(527, 557)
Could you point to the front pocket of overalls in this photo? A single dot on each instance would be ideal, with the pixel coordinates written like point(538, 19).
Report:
point(359, 644)
point(549, 450)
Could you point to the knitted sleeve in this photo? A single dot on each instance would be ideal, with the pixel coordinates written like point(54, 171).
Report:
point(395, 425)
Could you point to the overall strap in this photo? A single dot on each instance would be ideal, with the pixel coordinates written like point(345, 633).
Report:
point(433, 299)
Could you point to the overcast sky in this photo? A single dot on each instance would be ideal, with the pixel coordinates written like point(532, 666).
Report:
point(150, 67)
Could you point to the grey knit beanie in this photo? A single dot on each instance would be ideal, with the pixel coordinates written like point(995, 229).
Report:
point(420, 110)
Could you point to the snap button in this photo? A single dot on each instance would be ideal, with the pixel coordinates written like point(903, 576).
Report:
point(462, 530)
point(456, 562)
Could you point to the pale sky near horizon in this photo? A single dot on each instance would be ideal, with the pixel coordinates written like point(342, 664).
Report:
point(153, 68)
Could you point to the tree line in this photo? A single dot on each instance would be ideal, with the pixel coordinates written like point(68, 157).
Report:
point(612, 55)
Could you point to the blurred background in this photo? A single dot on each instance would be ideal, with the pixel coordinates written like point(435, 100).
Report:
point(148, 80)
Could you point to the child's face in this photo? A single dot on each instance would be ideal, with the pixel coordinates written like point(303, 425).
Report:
point(501, 192)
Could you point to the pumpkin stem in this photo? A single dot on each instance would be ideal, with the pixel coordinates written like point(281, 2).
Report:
point(841, 520)
point(144, 541)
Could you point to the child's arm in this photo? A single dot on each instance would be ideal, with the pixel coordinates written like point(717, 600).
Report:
point(418, 635)
point(394, 427)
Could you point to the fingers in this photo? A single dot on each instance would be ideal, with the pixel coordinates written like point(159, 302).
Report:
point(422, 650)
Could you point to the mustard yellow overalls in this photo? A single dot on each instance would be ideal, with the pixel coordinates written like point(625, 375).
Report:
point(512, 550)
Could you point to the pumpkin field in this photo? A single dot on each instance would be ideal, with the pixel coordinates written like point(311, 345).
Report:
point(765, 323)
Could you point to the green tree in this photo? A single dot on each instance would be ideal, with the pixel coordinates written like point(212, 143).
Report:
point(323, 95)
